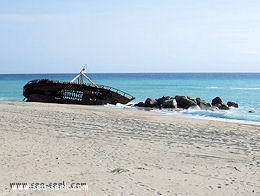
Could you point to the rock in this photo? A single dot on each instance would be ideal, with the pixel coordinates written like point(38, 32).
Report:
point(179, 97)
point(185, 102)
point(192, 99)
point(140, 104)
point(161, 100)
point(232, 104)
point(150, 103)
point(216, 101)
point(175, 103)
point(171, 103)
point(203, 104)
point(223, 106)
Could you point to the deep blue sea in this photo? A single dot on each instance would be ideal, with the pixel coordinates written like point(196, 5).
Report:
point(243, 88)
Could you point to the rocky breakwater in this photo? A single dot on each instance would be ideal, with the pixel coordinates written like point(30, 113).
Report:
point(186, 102)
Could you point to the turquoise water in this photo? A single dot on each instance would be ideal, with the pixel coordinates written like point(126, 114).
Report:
point(243, 88)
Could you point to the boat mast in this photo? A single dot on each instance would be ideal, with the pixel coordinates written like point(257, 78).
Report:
point(80, 77)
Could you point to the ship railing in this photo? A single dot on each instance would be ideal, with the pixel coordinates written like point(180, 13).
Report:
point(115, 90)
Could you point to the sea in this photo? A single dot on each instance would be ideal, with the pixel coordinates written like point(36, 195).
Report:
point(242, 88)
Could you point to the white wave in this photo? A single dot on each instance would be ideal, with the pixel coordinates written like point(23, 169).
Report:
point(119, 105)
point(232, 115)
point(212, 87)
point(241, 88)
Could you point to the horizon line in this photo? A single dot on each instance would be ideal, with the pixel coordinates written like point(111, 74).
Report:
point(228, 72)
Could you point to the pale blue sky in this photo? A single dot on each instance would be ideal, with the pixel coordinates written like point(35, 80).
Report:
point(59, 36)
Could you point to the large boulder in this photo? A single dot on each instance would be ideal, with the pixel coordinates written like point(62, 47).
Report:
point(171, 103)
point(161, 100)
point(203, 104)
point(192, 99)
point(150, 102)
point(140, 104)
point(179, 97)
point(216, 101)
point(223, 106)
point(232, 104)
point(185, 102)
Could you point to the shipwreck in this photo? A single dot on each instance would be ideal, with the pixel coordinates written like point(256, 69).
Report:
point(74, 92)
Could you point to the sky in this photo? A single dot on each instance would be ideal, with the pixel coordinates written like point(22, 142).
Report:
point(122, 36)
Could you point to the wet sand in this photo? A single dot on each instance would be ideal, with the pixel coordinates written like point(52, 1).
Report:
point(125, 152)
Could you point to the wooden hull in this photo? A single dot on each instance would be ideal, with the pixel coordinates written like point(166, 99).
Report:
point(49, 91)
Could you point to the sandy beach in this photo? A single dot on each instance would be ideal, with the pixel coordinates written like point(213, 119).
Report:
point(125, 152)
